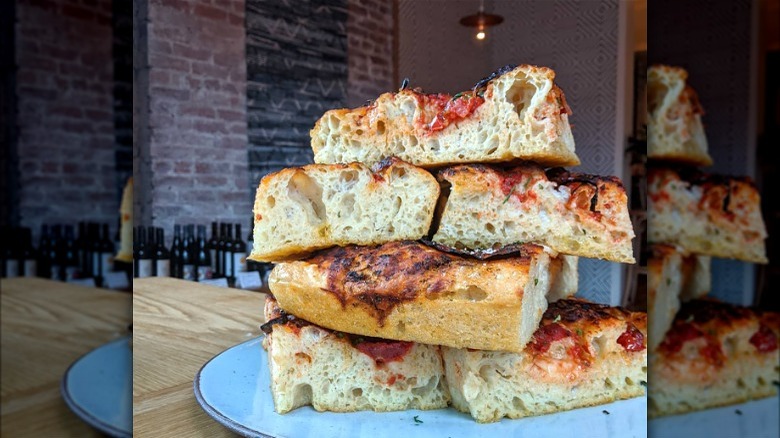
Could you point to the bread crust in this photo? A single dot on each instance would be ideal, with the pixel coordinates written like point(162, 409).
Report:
point(583, 354)
point(408, 291)
point(302, 209)
point(517, 114)
point(573, 213)
point(715, 354)
point(675, 130)
point(706, 214)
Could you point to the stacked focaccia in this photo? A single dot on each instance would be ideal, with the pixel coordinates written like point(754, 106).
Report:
point(703, 353)
point(416, 259)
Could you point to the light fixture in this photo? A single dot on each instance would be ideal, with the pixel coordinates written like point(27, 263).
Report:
point(481, 21)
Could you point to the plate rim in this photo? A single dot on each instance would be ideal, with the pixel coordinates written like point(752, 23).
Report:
point(256, 431)
point(84, 414)
point(213, 412)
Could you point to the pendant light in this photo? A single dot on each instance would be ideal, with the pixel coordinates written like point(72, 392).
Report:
point(481, 21)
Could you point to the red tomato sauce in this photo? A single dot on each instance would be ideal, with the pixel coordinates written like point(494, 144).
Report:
point(384, 351)
point(765, 340)
point(632, 339)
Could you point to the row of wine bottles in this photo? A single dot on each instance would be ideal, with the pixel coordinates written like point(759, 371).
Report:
point(61, 254)
point(191, 256)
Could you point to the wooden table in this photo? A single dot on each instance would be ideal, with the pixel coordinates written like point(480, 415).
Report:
point(177, 327)
point(46, 326)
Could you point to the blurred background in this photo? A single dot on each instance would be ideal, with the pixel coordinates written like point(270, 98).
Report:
point(225, 92)
point(731, 51)
point(66, 134)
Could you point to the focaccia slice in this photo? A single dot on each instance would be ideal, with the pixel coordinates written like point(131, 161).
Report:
point(409, 291)
point(715, 354)
point(300, 210)
point(572, 213)
point(673, 277)
point(706, 214)
point(583, 354)
point(675, 131)
point(515, 113)
point(664, 283)
point(334, 371)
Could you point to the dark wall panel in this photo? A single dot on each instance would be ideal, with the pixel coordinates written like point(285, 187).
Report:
point(296, 70)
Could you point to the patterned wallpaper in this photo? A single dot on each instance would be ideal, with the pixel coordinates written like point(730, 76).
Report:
point(435, 52)
point(296, 70)
point(712, 41)
point(579, 41)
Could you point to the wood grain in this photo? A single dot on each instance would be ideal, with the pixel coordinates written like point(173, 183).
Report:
point(46, 326)
point(178, 326)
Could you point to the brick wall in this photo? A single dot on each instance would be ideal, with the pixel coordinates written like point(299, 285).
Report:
point(190, 150)
point(65, 119)
point(122, 50)
point(370, 36)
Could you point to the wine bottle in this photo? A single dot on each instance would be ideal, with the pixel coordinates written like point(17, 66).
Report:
point(44, 265)
point(70, 259)
point(104, 255)
point(151, 244)
point(204, 257)
point(82, 243)
point(188, 255)
point(55, 247)
point(28, 256)
point(135, 252)
point(212, 245)
point(176, 253)
point(93, 248)
point(239, 252)
point(221, 250)
point(227, 253)
point(10, 254)
point(162, 256)
point(144, 256)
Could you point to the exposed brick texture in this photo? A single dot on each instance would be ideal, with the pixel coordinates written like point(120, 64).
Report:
point(122, 21)
point(65, 119)
point(190, 149)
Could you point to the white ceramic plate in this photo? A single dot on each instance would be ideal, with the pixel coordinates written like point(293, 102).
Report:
point(755, 419)
point(234, 388)
point(98, 388)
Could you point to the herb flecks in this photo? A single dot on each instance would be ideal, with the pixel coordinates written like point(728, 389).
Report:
point(417, 421)
point(605, 412)
point(509, 195)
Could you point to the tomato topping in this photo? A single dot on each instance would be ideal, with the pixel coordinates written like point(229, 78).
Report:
point(384, 351)
point(712, 352)
point(632, 339)
point(765, 340)
point(511, 180)
point(679, 334)
point(455, 109)
point(546, 335)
